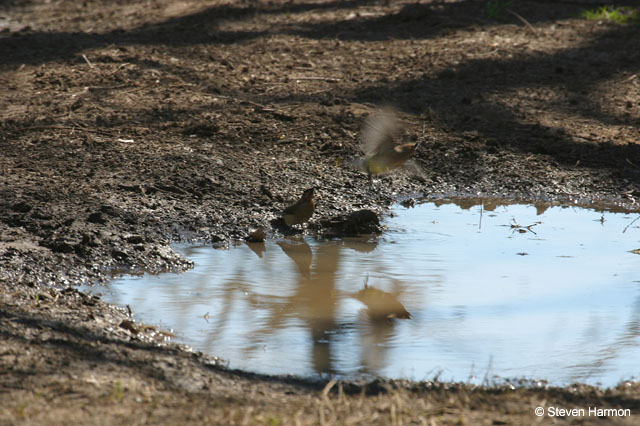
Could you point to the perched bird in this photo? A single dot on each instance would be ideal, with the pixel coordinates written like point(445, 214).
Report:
point(379, 145)
point(302, 210)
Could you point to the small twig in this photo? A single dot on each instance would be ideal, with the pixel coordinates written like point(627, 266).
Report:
point(515, 226)
point(137, 89)
point(97, 88)
point(485, 380)
point(627, 227)
point(315, 78)
point(87, 60)
point(61, 127)
point(257, 105)
point(524, 21)
point(321, 91)
point(304, 126)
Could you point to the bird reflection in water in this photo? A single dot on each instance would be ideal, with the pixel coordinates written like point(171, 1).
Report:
point(257, 248)
point(301, 254)
point(316, 300)
point(377, 324)
point(381, 305)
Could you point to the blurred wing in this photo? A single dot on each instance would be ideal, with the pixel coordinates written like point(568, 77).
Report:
point(379, 133)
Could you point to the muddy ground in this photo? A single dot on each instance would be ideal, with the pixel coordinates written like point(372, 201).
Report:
point(128, 125)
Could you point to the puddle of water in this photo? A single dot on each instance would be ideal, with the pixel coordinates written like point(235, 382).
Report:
point(494, 292)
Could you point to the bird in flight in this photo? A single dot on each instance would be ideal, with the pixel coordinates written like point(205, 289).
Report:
point(381, 152)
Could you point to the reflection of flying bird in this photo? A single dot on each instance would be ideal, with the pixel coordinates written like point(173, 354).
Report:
point(381, 154)
point(381, 304)
point(300, 253)
point(302, 210)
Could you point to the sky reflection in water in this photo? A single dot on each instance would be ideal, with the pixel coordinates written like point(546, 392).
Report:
point(559, 300)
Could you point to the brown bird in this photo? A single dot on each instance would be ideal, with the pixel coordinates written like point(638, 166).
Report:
point(379, 145)
point(302, 210)
point(381, 305)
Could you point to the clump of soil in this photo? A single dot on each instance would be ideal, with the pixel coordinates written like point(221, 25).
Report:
point(126, 126)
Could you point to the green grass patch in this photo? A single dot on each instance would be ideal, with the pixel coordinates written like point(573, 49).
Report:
point(618, 14)
point(495, 9)
point(117, 393)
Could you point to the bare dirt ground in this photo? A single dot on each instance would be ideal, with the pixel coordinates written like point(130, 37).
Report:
point(128, 125)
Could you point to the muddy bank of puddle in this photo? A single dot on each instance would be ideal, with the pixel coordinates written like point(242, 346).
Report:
point(473, 290)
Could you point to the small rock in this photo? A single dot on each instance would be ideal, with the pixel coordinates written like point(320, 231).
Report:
point(135, 239)
point(21, 207)
point(58, 246)
point(216, 238)
point(356, 223)
point(97, 218)
point(257, 235)
point(119, 255)
point(129, 326)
